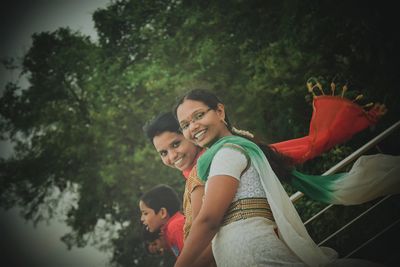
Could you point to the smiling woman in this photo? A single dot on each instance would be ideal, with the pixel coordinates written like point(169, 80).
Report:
point(246, 212)
point(175, 151)
point(203, 125)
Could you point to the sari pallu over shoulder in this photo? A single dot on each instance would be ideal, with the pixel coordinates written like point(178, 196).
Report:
point(291, 228)
point(369, 178)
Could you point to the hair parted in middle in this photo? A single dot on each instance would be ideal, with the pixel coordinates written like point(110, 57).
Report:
point(281, 164)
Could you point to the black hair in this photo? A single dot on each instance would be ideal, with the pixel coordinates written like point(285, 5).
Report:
point(165, 122)
point(280, 164)
point(149, 237)
point(202, 95)
point(162, 196)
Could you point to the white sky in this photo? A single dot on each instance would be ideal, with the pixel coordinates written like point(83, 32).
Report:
point(21, 242)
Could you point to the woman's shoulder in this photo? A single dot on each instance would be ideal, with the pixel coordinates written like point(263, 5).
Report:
point(230, 160)
point(234, 147)
point(230, 149)
point(193, 180)
point(177, 220)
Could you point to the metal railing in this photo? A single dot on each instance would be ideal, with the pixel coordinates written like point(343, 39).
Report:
point(373, 238)
point(356, 154)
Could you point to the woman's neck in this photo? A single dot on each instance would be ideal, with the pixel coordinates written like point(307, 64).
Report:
point(223, 134)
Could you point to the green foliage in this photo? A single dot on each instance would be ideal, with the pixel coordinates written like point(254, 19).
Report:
point(80, 119)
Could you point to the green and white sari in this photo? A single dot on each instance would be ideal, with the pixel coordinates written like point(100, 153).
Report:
point(291, 228)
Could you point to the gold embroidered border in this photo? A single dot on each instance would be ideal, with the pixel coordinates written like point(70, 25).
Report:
point(247, 208)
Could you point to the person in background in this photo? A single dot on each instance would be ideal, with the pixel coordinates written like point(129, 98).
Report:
point(160, 209)
point(177, 152)
point(154, 242)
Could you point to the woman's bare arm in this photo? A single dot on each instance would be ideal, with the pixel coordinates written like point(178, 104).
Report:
point(221, 190)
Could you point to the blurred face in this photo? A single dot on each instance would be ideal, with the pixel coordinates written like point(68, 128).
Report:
point(200, 124)
point(153, 221)
point(175, 151)
point(157, 246)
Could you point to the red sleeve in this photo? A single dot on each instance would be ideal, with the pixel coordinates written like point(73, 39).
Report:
point(334, 121)
point(177, 235)
point(174, 233)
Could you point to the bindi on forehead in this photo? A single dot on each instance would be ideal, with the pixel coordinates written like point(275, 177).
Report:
point(190, 116)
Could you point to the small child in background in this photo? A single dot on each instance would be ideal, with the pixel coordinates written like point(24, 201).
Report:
point(160, 208)
point(154, 242)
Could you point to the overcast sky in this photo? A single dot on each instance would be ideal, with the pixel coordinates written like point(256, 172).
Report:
point(20, 241)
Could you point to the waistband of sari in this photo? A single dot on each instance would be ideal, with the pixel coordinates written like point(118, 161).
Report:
point(247, 208)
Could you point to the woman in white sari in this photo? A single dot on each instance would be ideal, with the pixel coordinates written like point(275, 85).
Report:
point(246, 212)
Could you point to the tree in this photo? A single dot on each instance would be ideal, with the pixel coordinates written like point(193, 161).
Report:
point(78, 125)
